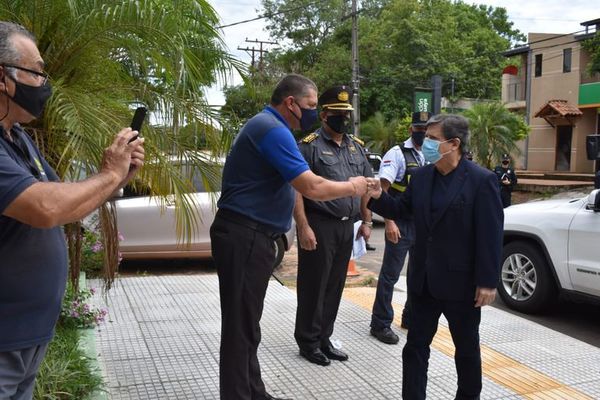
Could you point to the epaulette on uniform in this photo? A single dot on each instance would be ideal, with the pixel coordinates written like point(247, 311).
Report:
point(310, 138)
point(357, 140)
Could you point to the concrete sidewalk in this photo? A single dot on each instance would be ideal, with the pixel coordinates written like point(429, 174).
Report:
point(162, 342)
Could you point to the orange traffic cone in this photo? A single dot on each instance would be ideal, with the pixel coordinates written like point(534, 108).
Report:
point(352, 268)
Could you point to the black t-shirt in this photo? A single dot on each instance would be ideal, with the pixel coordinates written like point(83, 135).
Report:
point(439, 192)
point(33, 269)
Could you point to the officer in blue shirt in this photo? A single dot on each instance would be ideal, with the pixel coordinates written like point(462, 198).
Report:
point(326, 228)
point(33, 206)
point(397, 166)
point(257, 198)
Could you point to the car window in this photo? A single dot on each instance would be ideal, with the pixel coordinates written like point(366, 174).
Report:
point(199, 181)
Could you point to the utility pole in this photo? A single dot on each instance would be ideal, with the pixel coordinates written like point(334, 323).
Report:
point(355, 70)
point(260, 52)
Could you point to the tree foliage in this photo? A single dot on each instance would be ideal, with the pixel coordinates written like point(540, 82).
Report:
point(592, 45)
point(105, 57)
point(402, 43)
point(494, 131)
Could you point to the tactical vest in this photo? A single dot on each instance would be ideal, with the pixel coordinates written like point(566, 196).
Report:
point(411, 163)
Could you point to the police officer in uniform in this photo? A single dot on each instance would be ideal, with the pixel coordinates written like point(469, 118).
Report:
point(325, 228)
point(395, 171)
point(506, 179)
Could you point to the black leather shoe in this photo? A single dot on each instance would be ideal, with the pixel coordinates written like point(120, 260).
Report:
point(385, 335)
point(334, 353)
point(269, 397)
point(315, 356)
point(370, 248)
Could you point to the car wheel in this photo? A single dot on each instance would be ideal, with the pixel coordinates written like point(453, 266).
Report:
point(279, 252)
point(526, 283)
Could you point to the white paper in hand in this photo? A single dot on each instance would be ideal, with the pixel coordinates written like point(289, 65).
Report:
point(360, 246)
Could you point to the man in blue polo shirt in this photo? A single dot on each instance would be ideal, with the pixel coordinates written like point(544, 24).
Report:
point(257, 199)
point(33, 206)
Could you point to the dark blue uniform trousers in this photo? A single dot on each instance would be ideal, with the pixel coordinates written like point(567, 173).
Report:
point(391, 267)
point(321, 279)
point(463, 320)
point(244, 259)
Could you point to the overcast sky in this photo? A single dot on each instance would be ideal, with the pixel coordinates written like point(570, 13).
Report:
point(540, 16)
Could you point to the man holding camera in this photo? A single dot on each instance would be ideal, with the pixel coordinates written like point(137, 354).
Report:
point(33, 206)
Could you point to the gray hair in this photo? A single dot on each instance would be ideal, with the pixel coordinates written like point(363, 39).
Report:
point(292, 85)
point(453, 126)
point(8, 53)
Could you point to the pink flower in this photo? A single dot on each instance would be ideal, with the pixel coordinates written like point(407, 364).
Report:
point(97, 247)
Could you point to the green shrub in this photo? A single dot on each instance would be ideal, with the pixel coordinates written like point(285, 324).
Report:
point(66, 373)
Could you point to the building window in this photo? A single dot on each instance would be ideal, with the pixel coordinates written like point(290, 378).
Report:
point(567, 60)
point(538, 65)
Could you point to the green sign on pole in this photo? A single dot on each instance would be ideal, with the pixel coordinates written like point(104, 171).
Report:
point(422, 100)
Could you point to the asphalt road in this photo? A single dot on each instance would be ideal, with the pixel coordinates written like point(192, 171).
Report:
point(578, 320)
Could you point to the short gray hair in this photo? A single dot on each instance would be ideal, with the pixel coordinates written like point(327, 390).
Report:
point(8, 53)
point(292, 85)
point(453, 126)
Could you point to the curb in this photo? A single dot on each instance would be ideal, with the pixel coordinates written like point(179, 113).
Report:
point(87, 344)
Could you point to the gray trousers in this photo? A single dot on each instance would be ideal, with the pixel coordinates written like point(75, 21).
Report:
point(18, 370)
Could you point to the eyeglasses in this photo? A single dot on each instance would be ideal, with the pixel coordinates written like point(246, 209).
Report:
point(34, 74)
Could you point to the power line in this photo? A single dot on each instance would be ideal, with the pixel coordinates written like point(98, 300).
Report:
point(269, 15)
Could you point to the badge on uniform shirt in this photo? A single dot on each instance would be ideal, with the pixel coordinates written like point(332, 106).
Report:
point(352, 149)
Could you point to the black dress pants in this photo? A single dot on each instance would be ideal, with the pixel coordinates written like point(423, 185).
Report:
point(321, 278)
point(463, 320)
point(244, 259)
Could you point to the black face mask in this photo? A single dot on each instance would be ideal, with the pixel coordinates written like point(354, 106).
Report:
point(31, 98)
point(338, 123)
point(418, 138)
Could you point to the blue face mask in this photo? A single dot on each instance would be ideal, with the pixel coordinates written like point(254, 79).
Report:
point(307, 118)
point(431, 150)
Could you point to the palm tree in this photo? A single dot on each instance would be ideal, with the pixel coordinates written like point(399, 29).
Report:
point(104, 57)
point(494, 131)
point(381, 135)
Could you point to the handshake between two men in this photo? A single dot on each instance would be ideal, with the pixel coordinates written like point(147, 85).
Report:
point(366, 186)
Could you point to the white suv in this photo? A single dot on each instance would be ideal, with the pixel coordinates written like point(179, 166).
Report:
point(551, 248)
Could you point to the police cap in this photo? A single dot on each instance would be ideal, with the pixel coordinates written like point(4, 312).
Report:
point(505, 157)
point(420, 118)
point(337, 98)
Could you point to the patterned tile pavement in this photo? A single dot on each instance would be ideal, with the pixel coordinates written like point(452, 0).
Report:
point(162, 342)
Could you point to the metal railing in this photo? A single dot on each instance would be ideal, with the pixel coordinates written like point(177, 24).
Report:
point(515, 92)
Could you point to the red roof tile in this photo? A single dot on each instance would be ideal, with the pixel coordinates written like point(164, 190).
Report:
point(562, 107)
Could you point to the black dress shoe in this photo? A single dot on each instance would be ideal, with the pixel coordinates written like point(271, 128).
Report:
point(315, 356)
point(334, 353)
point(370, 248)
point(385, 335)
point(269, 397)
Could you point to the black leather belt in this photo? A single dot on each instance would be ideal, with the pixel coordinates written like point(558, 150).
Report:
point(249, 223)
point(327, 215)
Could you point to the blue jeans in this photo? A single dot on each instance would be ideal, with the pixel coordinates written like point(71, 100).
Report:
point(393, 261)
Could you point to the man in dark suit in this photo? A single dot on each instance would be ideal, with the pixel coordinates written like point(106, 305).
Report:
point(455, 263)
